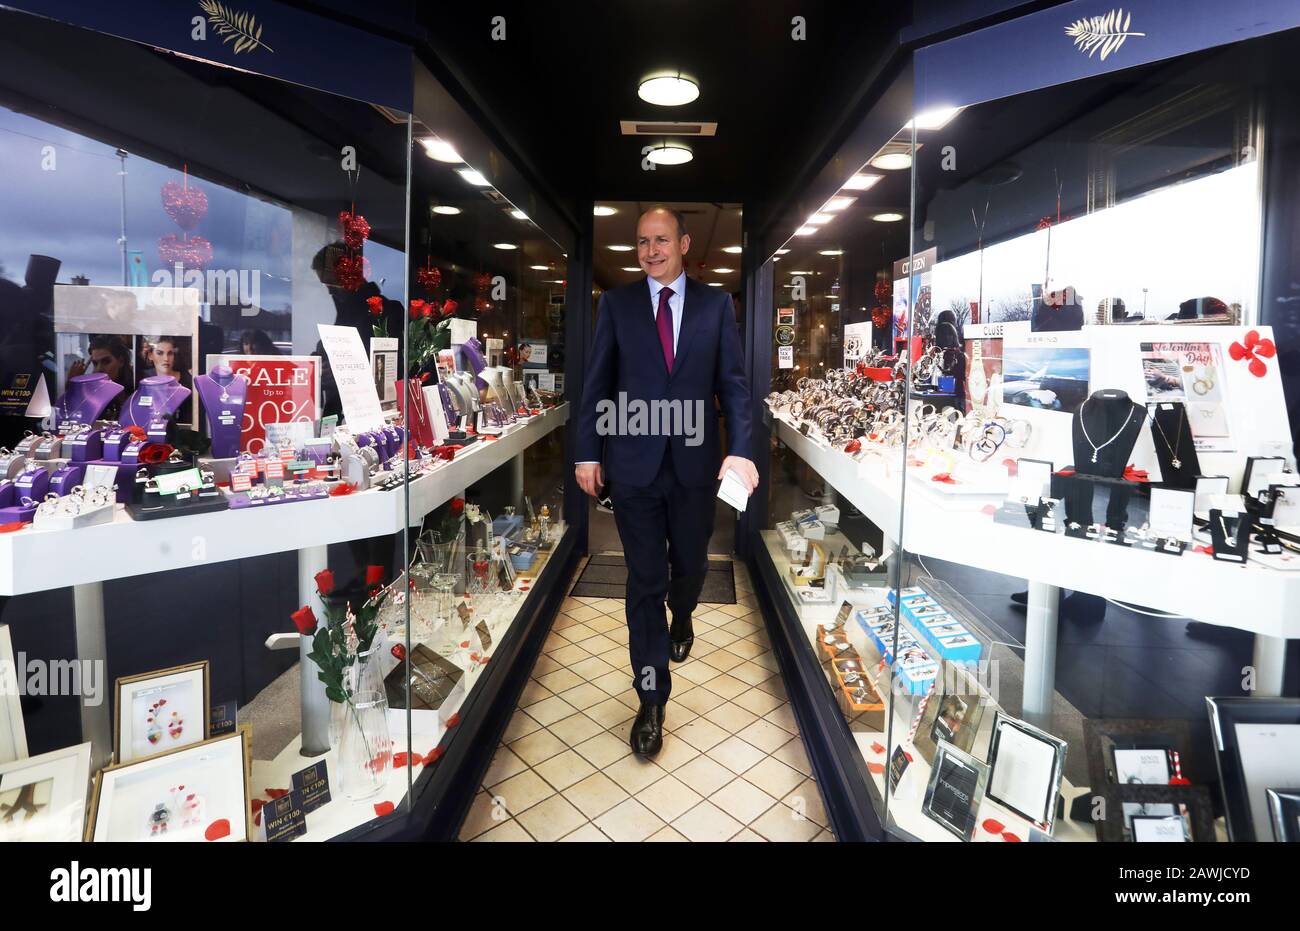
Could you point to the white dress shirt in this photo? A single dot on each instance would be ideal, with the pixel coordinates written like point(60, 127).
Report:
point(676, 302)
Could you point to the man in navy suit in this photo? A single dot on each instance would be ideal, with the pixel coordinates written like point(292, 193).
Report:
point(666, 347)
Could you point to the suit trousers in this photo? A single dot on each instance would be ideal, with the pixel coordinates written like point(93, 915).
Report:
point(665, 528)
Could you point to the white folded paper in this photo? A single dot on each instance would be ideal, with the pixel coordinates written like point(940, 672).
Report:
point(733, 490)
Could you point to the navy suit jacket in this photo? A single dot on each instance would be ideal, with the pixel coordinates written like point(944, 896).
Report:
point(627, 358)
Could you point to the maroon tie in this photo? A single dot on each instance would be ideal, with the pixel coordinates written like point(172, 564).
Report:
point(664, 323)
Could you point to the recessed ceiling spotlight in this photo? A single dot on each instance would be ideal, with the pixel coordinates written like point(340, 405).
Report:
point(504, 246)
point(715, 284)
point(446, 211)
point(887, 217)
point(937, 118)
point(473, 177)
point(439, 150)
point(631, 268)
point(670, 153)
point(782, 251)
point(540, 268)
point(831, 252)
point(892, 161)
point(836, 204)
point(805, 231)
point(619, 247)
point(668, 90)
point(817, 219)
point(724, 271)
point(733, 250)
point(602, 211)
point(518, 214)
point(798, 272)
point(861, 181)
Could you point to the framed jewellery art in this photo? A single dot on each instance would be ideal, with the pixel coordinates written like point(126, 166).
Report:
point(159, 711)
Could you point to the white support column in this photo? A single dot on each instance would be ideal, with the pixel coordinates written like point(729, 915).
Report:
point(92, 647)
point(315, 704)
point(1040, 653)
point(1270, 665)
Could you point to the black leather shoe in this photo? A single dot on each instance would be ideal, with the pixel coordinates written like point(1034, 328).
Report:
point(648, 729)
point(682, 637)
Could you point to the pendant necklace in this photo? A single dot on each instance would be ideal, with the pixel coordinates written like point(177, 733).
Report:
point(1173, 449)
point(1095, 448)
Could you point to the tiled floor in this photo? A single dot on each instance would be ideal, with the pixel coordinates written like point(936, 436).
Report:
point(732, 768)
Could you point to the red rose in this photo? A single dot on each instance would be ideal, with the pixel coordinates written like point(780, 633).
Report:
point(156, 453)
point(457, 506)
point(376, 304)
point(325, 581)
point(449, 307)
point(427, 311)
point(305, 620)
point(419, 309)
point(374, 575)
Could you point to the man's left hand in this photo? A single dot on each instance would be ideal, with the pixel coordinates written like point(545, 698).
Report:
point(745, 469)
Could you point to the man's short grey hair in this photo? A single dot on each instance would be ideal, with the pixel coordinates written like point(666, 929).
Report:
point(676, 215)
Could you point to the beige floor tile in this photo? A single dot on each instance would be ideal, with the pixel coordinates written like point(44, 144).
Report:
point(705, 775)
point(775, 686)
point(768, 661)
point(563, 622)
point(583, 612)
point(794, 755)
point(520, 793)
point(553, 641)
point(618, 659)
point(629, 822)
point(545, 666)
point(599, 644)
point(727, 686)
point(559, 681)
point(736, 610)
point(741, 628)
point(722, 660)
point(698, 700)
point(595, 795)
point(765, 735)
point(605, 623)
point(750, 673)
point(611, 683)
point(587, 834)
point(781, 823)
point(719, 638)
point(666, 835)
point(701, 649)
point(564, 769)
point(574, 729)
point(702, 734)
point(744, 648)
point(552, 819)
point(743, 800)
point(591, 668)
point(695, 670)
point(577, 633)
point(610, 713)
point(706, 823)
point(783, 717)
point(774, 777)
point(504, 765)
point(669, 798)
point(584, 696)
point(757, 701)
point(532, 693)
point(520, 725)
point(807, 800)
point(569, 654)
point(483, 815)
point(538, 746)
point(676, 752)
point(825, 837)
point(550, 710)
point(609, 605)
point(731, 717)
point(748, 837)
point(737, 755)
point(633, 773)
point(603, 750)
point(507, 832)
point(677, 716)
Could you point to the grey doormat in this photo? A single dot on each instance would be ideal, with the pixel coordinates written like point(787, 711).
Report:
point(605, 576)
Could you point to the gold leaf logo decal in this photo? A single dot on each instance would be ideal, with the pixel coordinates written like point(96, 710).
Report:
point(241, 28)
point(1105, 33)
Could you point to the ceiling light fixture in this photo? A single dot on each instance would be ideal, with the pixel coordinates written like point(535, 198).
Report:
point(440, 151)
point(836, 204)
point(937, 118)
point(715, 284)
point(540, 268)
point(446, 211)
point(518, 214)
point(733, 250)
point(473, 177)
point(631, 268)
point(668, 90)
point(670, 153)
point(892, 161)
point(889, 217)
point(602, 211)
point(619, 247)
point(782, 251)
point(724, 271)
point(817, 219)
point(504, 246)
point(861, 181)
point(805, 231)
point(831, 252)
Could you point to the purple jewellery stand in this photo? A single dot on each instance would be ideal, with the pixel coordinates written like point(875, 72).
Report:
point(223, 394)
point(85, 399)
point(156, 399)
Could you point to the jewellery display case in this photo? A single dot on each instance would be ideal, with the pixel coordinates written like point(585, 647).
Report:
point(1029, 423)
point(283, 495)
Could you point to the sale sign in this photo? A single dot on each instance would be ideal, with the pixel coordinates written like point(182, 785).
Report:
point(283, 394)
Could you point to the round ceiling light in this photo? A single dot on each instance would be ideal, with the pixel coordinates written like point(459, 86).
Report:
point(440, 151)
point(446, 211)
point(473, 177)
point(619, 247)
point(715, 284)
point(504, 246)
point(518, 214)
point(670, 153)
point(892, 161)
point(805, 231)
point(540, 268)
point(668, 90)
point(629, 268)
point(601, 211)
point(724, 271)
point(831, 252)
point(733, 250)
point(887, 217)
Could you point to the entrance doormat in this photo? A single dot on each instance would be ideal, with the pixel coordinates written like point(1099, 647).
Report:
point(605, 576)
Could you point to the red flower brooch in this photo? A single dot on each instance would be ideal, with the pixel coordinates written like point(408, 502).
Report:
point(1255, 348)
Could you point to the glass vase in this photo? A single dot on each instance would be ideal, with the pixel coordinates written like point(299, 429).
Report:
point(365, 746)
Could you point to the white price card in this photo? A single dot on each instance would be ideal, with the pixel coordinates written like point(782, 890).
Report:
point(1171, 513)
point(353, 377)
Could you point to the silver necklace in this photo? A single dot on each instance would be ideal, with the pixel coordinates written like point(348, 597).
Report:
point(1095, 448)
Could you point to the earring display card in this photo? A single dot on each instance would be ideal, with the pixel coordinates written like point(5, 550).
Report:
point(955, 790)
point(1209, 487)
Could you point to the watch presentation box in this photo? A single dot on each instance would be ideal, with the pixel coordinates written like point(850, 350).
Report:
point(907, 594)
point(812, 529)
point(962, 648)
point(917, 674)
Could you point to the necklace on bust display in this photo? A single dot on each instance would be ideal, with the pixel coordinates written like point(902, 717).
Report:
point(1178, 439)
point(1096, 449)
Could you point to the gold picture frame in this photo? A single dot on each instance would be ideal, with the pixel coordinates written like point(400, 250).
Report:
point(125, 751)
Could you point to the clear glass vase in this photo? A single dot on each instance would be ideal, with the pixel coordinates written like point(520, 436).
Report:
point(365, 746)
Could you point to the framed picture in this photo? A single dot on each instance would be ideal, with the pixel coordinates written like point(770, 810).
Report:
point(43, 798)
point(955, 790)
point(953, 713)
point(13, 736)
point(1257, 747)
point(1142, 813)
point(1144, 752)
point(196, 793)
point(159, 711)
point(1025, 767)
point(1284, 808)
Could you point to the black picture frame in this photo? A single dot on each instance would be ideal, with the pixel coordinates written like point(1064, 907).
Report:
point(1226, 714)
point(1284, 809)
point(1109, 820)
point(943, 805)
point(1103, 736)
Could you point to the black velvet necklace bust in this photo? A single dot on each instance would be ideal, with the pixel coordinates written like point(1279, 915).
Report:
point(1106, 428)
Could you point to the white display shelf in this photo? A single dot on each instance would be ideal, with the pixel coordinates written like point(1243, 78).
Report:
point(1251, 597)
point(34, 560)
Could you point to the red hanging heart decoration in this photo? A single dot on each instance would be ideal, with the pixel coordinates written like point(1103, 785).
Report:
point(1256, 348)
point(350, 271)
point(354, 227)
point(883, 289)
point(880, 317)
point(429, 277)
point(191, 252)
point(482, 304)
point(482, 281)
point(185, 205)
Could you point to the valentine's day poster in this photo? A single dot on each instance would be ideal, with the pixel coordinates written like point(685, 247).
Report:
point(281, 390)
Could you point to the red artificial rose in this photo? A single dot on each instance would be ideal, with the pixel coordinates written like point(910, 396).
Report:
point(325, 581)
point(374, 575)
point(376, 304)
point(340, 489)
point(427, 311)
point(136, 432)
point(156, 453)
point(457, 506)
point(449, 307)
point(305, 620)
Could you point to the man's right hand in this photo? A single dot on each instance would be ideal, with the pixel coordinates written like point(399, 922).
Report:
point(591, 478)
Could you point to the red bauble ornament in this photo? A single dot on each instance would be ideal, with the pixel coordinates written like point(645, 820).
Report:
point(354, 228)
point(191, 252)
point(429, 277)
point(350, 271)
point(482, 281)
point(184, 204)
point(482, 304)
point(880, 317)
point(883, 290)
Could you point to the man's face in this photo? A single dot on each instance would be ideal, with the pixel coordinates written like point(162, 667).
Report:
point(164, 358)
point(659, 249)
point(104, 361)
